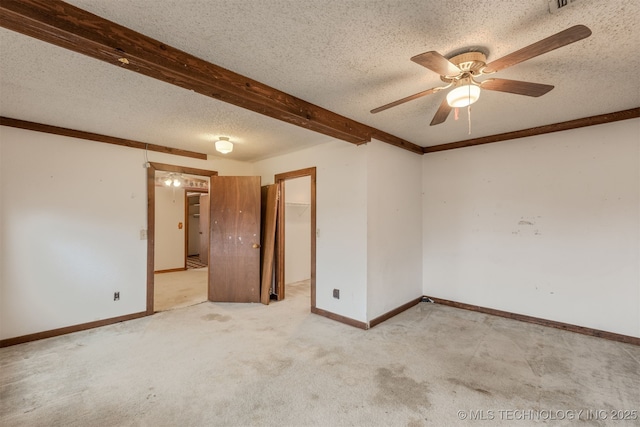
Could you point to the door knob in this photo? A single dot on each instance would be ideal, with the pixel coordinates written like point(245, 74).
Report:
point(256, 245)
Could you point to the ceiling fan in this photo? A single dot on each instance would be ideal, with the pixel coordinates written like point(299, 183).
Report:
point(460, 72)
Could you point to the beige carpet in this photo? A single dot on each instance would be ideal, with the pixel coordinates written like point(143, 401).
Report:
point(253, 365)
point(180, 289)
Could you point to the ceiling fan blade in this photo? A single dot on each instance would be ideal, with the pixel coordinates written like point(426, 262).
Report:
point(407, 99)
point(516, 86)
point(438, 63)
point(442, 113)
point(563, 38)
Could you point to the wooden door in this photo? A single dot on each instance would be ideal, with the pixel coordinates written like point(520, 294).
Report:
point(204, 228)
point(234, 249)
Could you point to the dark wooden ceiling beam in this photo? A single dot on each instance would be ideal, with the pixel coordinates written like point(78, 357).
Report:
point(55, 130)
point(394, 140)
point(540, 130)
point(75, 29)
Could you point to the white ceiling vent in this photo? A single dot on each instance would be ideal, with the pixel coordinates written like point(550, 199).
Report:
point(557, 5)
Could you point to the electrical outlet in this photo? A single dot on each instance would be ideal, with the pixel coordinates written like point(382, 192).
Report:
point(116, 296)
point(143, 234)
point(336, 293)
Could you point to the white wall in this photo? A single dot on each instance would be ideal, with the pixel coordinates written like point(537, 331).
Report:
point(169, 238)
point(394, 227)
point(369, 218)
point(341, 244)
point(546, 226)
point(71, 218)
point(71, 212)
point(297, 247)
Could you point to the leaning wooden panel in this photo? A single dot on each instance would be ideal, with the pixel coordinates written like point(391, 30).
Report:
point(269, 215)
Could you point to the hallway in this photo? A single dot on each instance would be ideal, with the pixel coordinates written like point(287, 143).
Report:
point(180, 289)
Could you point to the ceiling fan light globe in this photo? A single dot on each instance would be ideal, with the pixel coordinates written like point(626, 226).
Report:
point(463, 96)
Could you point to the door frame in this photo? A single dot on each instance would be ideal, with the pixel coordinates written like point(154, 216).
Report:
point(279, 180)
point(151, 217)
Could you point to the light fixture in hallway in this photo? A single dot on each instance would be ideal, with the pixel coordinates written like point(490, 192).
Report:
point(173, 180)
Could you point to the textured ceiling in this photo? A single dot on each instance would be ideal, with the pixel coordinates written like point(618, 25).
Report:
point(348, 56)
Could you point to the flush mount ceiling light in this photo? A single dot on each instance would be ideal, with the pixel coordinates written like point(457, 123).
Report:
point(223, 145)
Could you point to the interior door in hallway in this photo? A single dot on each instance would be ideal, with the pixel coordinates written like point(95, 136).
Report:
point(234, 249)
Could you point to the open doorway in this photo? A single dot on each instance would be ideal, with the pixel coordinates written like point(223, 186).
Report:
point(178, 284)
point(297, 226)
point(298, 202)
point(180, 242)
point(197, 223)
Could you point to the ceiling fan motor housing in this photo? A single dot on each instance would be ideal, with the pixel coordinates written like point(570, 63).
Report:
point(471, 64)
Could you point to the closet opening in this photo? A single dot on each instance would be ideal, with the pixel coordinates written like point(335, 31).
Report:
point(296, 232)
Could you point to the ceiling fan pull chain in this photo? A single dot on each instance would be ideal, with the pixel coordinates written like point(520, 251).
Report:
point(469, 110)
